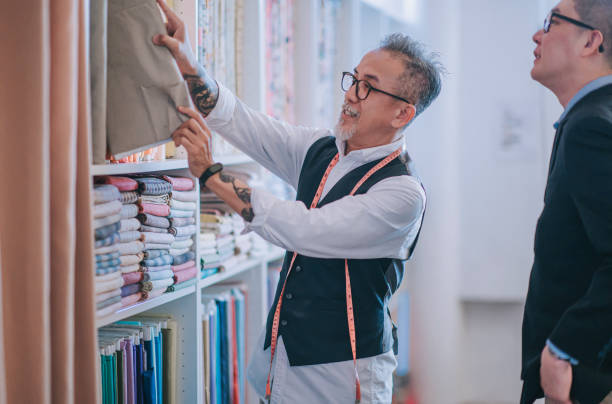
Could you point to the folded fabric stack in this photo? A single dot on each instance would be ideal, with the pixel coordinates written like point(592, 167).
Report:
point(155, 273)
point(183, 206)
point(259, 246)
point(130, 246)
point(217, 241)
point(244, 242)
point(107, 216)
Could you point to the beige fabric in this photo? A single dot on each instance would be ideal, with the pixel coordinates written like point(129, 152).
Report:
point(608, 399)
point(144, 83)
point(98, 57)
point(46, 218)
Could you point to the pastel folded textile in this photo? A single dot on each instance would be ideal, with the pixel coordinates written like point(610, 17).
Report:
point(105, 193)
point(106, 231)
point(208, 237)
point(157, 246)
point(108, 310)
point(182, 221)
point(129, 211)
point(154, 253)
point(105, 221)
point(107, 277)
point(185, 196)
point(153, 186)
point(108, 302)
point(161, 260)
point(132, 277)
point(107, 295)
point(122, 183)
point(147, 286)
point(152, 220)
point(127, 260)
point(108, 282)
point(183, 266)
point(163, 238)
point(127, 236)
point(156, 268)
point(115, 262)
point(182, 205)
point(107, 250)
point(186, 274)
point(180, 183)
point(182, 238)
point(159, 199)
point(107, 257)
point(110, 240)
point(178, 251)
point(106, 209)
point(181, 213)
point(131, 299)
point(183, 230)
point(181, 259)
point(129, 225)
point(154, 209)
point(130, 289)
point(152, 229)
point(107, 270)
point(154, 293)
point(182, 244)
point(133, 247)
point(129, 197)
point(157, 275)
point(126, 269)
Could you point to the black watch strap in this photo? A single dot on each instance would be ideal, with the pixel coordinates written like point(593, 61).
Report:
point(210, 171)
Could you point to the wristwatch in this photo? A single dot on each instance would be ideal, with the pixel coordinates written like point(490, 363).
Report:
point(210, 171)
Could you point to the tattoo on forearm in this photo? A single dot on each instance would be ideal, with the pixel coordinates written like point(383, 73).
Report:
point(243, 193)
point(204, 91)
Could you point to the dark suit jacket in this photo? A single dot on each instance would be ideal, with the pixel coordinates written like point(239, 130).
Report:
point(570, 288)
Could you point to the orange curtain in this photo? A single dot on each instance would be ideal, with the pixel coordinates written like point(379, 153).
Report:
point(46, 242)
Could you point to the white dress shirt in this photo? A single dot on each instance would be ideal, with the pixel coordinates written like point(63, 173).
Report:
point(382, 223)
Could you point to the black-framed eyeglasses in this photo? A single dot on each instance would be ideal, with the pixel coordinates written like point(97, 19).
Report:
point(581, 24)
point(363, 87)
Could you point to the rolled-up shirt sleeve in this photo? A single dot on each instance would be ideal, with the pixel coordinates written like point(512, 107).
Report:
point(383, 222)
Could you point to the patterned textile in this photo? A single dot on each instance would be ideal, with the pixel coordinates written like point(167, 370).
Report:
point(185, 196)
point(129, 197)
point(133, 247)
point(106, 231)
point(106, 250)
point(185, 275)
point(131, 299)
point(164, 238)
point(181, 213)
point(153, 229)
point(106, 271)
point(130, 289)
point(105, 221)
point(106, 209)
point(182, 221)
point(157, 246)
point(106, 257)
point(148, 286)
point(161, 260)
point(157, 275)
point(107, 311)
point(158, 199)
point(153, 294)
point(188, 264)
point(131, 259)
point(182, 205)
point(127, 236)
point(110, 240)
point(153, 186)
point(182, 238)
point(178, 251)
point(156, 268)
point(122, 183)
point(180, 183)
point(131, 278)
point(107, 295)
point(181, 259)
point(108, 282)
point(183, 230)
point(129, 225)
point(129, 211)
point(105, 193)
point(182, 244)
point(154, 209)
point(126, 269)
point(155, 221)
point(154, 253)
point(108, 302)
point(115, 262)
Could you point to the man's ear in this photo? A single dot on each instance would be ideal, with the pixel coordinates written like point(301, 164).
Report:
point(405, 115)
point(595, 41)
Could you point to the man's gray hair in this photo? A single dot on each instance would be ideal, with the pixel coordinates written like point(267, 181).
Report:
point(421, 82)
point(598, 14)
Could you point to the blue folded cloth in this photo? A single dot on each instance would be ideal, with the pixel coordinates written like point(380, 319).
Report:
point(181, 259)
point(105, 231)
point(110, 240)
point(153, 186)
point(161, 260)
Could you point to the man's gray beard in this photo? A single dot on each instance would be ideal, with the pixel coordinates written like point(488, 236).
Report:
point(341, 134)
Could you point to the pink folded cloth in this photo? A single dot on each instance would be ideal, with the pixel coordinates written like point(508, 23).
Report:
point(154, 209)
point(131, 277)
point(131, 299)
point(182, 267)
point(180, 183)
point(123, 183)
point(154, 293)
point(185, 274)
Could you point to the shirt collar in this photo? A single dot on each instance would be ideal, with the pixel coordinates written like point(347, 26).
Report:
point(584, 91)
point(371, 153)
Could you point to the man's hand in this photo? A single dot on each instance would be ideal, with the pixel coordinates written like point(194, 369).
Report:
point(195, 136)
point(555, 378)
point(177, 41)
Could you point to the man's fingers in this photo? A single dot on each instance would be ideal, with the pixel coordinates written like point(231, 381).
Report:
point(167, 41)
point(173, 19)
point(195, 115)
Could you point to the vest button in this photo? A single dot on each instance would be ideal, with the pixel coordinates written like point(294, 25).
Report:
point(289, 296)
point(298, 269)
point(283, 322)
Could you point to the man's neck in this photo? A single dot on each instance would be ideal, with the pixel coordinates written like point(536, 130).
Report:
point(571, 87)
point(355, 143)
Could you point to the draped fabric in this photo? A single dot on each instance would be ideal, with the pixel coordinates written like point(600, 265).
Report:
point(46, 238)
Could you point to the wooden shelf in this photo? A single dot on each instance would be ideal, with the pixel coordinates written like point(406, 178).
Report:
point(138, 168)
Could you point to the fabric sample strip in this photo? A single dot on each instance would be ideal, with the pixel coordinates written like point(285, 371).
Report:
point(105, 193)
point(152, 220)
